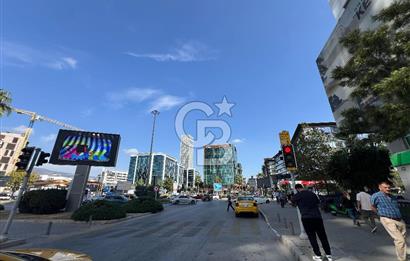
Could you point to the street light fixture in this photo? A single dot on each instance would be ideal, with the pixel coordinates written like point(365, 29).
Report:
point(154, 113)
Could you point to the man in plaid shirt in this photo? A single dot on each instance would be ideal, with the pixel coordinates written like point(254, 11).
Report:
point(387, 208)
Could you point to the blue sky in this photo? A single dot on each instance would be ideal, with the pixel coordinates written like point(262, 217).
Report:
point(102, 65)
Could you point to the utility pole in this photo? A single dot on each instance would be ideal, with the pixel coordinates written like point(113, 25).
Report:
point(154, 113)
point(31, 163)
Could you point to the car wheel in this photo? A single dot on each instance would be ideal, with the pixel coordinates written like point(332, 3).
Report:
point(193, 202)
point(257, 215)
point(177, 202)
point(267, 201)
point(236, 214)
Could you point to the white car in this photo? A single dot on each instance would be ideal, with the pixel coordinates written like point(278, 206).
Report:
point(182, 199)
point(262, 200)
point(4, 196)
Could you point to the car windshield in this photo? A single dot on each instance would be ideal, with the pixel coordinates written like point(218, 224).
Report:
point(245, 198)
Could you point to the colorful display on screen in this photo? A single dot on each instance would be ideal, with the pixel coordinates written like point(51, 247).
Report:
point(85, 148)
point(80, 147)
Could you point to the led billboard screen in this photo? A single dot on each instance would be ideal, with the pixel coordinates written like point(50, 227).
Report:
point(85, 148)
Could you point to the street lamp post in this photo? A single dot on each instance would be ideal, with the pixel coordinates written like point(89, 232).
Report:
point(154, 113)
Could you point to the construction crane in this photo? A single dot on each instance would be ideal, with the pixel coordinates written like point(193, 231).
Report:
point(33, 118)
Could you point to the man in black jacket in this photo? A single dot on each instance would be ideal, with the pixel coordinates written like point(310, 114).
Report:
point(308, 204)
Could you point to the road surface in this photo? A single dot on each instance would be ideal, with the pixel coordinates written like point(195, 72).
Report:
point(205, 231)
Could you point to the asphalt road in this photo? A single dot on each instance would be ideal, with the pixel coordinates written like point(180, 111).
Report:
point(193, 232)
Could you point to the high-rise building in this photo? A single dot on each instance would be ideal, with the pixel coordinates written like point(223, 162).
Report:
point(220, 162)
point(110, 178)
point(186, 155)
point(10, 143)
point(189, 178)
point(162, 166)
point(350, 15)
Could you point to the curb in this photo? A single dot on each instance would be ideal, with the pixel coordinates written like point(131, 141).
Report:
point(45, 239)
point(290, 246)
point(12, 243)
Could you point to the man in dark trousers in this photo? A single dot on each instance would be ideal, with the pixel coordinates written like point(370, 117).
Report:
point(230, 204)
point(308, 204)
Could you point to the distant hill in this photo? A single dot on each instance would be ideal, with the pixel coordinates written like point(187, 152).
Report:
point(43, 171)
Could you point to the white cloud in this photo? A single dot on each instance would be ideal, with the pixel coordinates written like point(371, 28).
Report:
point(63, 63)
point(121, 98)
point(166, 102)
point(15, 54)
point(131, 151)
point(237, 141)
point(187, 52)
point(49, 138)
point(157, 99)
point(87, 112)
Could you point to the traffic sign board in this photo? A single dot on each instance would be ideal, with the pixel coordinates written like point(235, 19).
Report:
point(284, 138)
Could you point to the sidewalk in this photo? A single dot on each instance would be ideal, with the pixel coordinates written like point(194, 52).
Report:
point(348, 242)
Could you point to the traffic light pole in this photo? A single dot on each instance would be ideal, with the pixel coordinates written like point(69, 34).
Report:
point(32, 163)
point(302, 229)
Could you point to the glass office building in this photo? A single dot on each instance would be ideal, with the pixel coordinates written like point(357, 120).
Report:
point(220, 163)
point(162, 166)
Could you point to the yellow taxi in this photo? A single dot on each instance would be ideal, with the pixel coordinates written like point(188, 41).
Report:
point(246, 204)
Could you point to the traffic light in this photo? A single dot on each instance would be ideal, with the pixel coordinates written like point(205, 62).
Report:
point(289, 157)
point(42, 158)
point(24, 158)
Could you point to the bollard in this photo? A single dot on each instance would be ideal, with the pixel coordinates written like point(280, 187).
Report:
point(286, 223)
point(292, 228)
point(50, 224)
point(90, 220)
point(278, 217)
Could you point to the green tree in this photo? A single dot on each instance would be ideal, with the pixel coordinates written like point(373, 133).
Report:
point(5, 102)
point(16, 179)
point(140, 182)
point(360, 166)
point(379, 72)
point(169, 184)
point(198, 182)
point(313, 152)
point(238, 179)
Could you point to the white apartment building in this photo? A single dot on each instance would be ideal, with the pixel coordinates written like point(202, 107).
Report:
point(10, 143)
point(110, 178)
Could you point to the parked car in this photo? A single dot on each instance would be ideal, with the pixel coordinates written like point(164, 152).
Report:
point(207, 197)
point(4, 196)
point(182, 199)
point(262, 200)
point(116, 198)
point(199, 196)
point(215, 197)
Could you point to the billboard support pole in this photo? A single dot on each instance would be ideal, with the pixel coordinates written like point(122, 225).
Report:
point(23, 188)
point(77, 188)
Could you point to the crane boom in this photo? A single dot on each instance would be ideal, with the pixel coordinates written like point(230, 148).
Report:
point(36, 117)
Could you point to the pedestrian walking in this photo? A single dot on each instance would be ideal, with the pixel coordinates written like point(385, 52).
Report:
point(387, 207)
point(229, 204)
point(364, 207)
point(348, 204)
point(308, 204)
point(282, 198)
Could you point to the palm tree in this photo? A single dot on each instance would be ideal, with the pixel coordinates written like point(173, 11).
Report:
point(5, 101)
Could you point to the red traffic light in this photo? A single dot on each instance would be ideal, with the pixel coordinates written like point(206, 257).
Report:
point(287, 149)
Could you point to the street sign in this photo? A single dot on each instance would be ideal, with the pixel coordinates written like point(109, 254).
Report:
point(284, 138)
point(156, 189)
point(217, 187)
